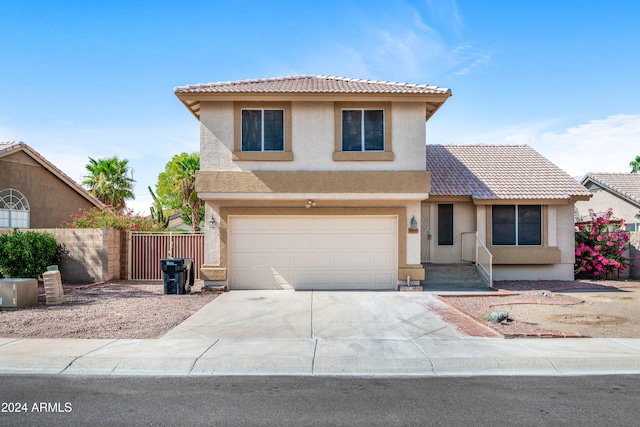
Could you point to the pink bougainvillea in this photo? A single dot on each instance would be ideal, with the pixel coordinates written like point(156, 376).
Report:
point(600, 244)
point(107, 217)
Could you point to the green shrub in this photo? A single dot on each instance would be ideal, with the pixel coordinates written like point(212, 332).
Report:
point(26, 253)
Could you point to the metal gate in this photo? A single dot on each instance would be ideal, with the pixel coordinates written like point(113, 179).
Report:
point(147, 249)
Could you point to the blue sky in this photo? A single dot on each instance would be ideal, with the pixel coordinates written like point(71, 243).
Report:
point(95, 79)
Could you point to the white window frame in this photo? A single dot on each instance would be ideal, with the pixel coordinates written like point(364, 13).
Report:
point(13, 198)
point(362, 132)
point(284, 130)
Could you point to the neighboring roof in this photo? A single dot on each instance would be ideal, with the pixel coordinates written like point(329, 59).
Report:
point(191, 95)
point(625, 185)
point(498, 172)
point(10, 147)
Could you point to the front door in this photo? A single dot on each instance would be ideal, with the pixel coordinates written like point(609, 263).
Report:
point(425, 233)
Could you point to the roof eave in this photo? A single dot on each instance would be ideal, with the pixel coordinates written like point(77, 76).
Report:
point(192, 100)
point(527, 200)
point(611, 190)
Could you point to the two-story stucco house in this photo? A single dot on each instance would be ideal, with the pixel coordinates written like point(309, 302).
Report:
point(316, 182)
point(312, 181)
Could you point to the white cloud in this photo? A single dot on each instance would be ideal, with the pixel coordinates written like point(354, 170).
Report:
point(407, 46)
point(604, 145)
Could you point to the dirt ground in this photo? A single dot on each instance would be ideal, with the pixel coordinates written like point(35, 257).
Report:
point(598, 309)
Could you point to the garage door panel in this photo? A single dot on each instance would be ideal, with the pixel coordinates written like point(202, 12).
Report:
point(382, 262)
point(281, 243)
point(313, 253)
point(323, 242)
point(261, 243)
point(281, 260)
point(242, 242)
point(362, 242)
point(386, 242)
point(302, 260)
point(243, 261)
point(342, 243)
point(323, 261)
point(302, 243)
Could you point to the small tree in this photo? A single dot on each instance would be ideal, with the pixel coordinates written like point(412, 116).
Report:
point(108, 217)
point(176, 188)
point(25, 254)
point(635, 165)
point(157, 212)
point(600, 244)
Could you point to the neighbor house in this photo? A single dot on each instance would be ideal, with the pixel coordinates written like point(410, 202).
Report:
point(316, 182)
point(34, 193)
point(619, 192)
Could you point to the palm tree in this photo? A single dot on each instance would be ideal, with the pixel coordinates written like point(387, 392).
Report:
point(635, 165)
point(109, 181)
point(185, 183)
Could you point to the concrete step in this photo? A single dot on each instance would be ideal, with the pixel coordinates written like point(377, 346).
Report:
point(452, 276)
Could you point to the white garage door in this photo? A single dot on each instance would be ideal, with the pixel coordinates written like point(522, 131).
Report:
point(313, 253)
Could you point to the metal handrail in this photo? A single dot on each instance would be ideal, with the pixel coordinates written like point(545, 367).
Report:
point(481, 251)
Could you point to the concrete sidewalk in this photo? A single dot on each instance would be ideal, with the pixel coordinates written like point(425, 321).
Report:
point(320, 333)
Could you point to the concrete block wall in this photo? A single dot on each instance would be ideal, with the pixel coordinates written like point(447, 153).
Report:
point(87, 255)
point(83, 258)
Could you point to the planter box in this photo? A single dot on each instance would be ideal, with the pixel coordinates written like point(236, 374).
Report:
point(18, 293)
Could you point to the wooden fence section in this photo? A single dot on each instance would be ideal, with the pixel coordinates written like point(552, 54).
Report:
point(147, 249)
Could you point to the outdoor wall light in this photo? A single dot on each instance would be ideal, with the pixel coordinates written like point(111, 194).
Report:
point(212, 222)
point(310, 204)
point(414, 223)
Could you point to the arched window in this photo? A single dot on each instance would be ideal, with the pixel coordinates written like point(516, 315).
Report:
point(14, 209)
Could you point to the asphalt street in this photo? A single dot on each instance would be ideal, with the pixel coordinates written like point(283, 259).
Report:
point(297, 401)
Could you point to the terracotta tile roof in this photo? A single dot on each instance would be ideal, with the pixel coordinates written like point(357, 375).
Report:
point(311, 84)
point(8, 147)
point(624, 184)
point(497, 172)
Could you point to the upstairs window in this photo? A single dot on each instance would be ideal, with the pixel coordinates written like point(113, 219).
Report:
point(262, 130)
point(14, 209)
point(363, 130)
point(516, 225)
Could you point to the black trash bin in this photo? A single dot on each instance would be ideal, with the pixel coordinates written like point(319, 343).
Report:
point(178, 275)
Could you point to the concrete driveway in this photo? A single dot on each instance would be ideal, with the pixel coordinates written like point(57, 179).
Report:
point(317, 314)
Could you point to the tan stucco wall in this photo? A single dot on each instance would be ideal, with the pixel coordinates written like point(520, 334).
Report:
point(533, 272)
point(313, 139)
point(51, 200)
point(310, 182)
point(603, 200)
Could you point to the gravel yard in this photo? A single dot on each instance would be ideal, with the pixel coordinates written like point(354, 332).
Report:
point(127, 309)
